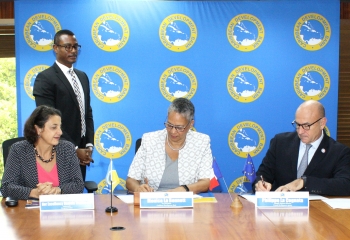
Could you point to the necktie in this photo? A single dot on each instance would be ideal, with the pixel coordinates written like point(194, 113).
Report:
point(304, 161)
point(80, 101)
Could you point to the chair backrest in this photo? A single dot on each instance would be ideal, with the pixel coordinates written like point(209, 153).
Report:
point(138, 144)
point(6, 145)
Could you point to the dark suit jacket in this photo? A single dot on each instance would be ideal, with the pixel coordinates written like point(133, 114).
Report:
point(21, 174)
point(52, 88)
point(327, 174)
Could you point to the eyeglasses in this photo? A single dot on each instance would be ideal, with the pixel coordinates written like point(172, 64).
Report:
point(170, 126)
point(69, 47)
point(304, 126)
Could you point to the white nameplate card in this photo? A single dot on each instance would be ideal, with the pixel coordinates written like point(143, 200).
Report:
point(282, 199)
point(166, 199)
point(61, 202)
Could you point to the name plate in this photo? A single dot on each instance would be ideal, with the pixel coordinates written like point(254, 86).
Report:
point(67, 202)
point(282, 199)
point(166, 199)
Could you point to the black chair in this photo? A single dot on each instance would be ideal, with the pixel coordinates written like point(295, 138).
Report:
point(90, 186)
point(138, 144)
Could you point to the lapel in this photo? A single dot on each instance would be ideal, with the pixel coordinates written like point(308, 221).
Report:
point(319, 156)
point(60, 75)
point(294, 153)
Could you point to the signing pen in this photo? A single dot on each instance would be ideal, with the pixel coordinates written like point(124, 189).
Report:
point(262, 181)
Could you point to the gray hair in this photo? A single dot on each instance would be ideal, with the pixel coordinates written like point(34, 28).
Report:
point(183, 106)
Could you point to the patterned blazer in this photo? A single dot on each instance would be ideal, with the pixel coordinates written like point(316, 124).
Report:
point(194, 163)
point(21, 175)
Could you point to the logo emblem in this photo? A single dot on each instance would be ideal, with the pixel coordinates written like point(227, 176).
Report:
point(239, 186)
point(312, 82)
point(30, 77)
point(178, 32)
point(312, 31)
point(39, 31)
point(112, 140)
point(246, 137)
point(110, 32)
point(245, 32)
point(178, 81)
point(245, 84)
point(110, 84)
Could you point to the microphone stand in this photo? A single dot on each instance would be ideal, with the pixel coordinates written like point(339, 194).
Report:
point(111, 209)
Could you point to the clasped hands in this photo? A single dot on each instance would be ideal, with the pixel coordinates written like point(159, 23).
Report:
point(290, 187)
point(84, 155)
point(144, 187)
point(47, 189)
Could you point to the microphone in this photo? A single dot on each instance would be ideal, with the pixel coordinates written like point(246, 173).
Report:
point(111, 209)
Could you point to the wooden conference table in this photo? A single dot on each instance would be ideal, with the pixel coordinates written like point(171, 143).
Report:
point(204, 221)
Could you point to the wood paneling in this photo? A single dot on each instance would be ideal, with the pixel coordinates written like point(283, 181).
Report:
point(343, 133)
point(7, 10)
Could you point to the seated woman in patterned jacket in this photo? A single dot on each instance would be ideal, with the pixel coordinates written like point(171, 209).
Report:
point(43, 163)
point(175, 158)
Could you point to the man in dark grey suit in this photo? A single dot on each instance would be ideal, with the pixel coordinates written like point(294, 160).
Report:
point(67, 89)
point(326, 162)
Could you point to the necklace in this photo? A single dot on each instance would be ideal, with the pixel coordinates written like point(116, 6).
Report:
point(175, 149)
point(45, 161)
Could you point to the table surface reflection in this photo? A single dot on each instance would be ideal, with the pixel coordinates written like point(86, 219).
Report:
point(204, 221)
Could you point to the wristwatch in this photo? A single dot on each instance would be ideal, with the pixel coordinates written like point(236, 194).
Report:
point(185, 187)
point(304, 178)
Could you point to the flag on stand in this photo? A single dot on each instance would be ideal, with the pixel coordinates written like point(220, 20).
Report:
point(112, 177)
point(214, 176)
point(249, 170)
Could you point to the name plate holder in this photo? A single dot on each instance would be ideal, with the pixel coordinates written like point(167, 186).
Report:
point(164, 199)
point(62, 202)
point(282, 199)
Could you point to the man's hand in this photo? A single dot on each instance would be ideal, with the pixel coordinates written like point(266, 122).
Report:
point(84, 155)
point(262, 186)
point(292, 186)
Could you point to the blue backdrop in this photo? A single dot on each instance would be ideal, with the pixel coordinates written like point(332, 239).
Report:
point(246, 65)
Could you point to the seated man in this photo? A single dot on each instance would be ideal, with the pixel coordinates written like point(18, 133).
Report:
point(175, 158)
point(307, 159)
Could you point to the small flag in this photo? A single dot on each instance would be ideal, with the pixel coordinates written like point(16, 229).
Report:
point(112, 176)
point(216, 173)
point(249, 170)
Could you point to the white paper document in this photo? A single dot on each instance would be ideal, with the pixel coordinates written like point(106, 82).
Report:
point(341, 203)
point(129, 199)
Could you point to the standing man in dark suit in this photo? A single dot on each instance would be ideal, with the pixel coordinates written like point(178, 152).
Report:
point(67, 89)
point(307, 159)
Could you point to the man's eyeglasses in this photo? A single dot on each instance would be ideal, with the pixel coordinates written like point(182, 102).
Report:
point(170, 126)
point(69, 47)
point(304, 126)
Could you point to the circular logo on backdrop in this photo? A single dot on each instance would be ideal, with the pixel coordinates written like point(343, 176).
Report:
point(312, 31)
point(246, 137)
point(110, 84)
point(178, 32)
point(112, 140)
point(30, 77)
point(39, 31)
point(110, 32)
point(178, 81)
point(240, 185)
point(245, 32)
point(312, 82)
point(245, 84)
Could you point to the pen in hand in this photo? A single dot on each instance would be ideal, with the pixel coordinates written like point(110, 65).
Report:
point(262, 181)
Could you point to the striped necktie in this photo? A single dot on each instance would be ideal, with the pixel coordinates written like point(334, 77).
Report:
point(304, 161)
point(80, 101)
